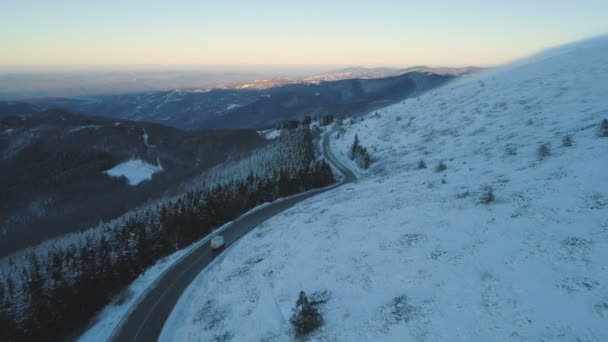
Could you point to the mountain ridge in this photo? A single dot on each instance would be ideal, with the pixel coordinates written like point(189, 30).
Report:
point(253, 108)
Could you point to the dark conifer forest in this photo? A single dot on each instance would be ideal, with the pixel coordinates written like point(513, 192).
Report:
point(59, 287)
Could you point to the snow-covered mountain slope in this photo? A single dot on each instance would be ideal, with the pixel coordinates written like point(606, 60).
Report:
point(412, 254)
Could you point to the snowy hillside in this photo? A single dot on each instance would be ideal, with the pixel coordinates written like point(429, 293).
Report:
point(411, 253)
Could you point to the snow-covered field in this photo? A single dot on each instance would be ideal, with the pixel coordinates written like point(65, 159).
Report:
point(270, 134)
point(135, 170)
point(411, 254)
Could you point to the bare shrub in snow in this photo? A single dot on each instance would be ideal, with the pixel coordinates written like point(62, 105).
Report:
point(223, 337)
point(440, 167)
point(487, 196)
point(576, 242)
point(578, 284)
point(122, 297)
point(567, 141)
point(602, 308)
point(421, 164)
point(319, 297)
point(463, 194)
point(209, 316)
point(543, 151)
point(603, 132)
point(400, 309)
point(306, 317)
point(596, 201)
point(510, 150)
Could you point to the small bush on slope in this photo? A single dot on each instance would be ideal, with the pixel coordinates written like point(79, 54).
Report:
point(440, 167)
point(306, 317)
point(510, 150)
point(487, 196)
point(543, 151)
point(604, 128)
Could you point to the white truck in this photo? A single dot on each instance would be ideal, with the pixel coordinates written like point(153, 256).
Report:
point(217, 242)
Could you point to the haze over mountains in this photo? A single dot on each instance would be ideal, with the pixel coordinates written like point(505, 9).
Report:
point(379, 72)
point(19, 84)
point(259, 104)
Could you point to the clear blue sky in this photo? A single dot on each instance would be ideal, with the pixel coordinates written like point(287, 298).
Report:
point(379, 32)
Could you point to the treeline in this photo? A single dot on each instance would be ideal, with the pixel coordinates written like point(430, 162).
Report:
point(51, 294)
point(307, 120)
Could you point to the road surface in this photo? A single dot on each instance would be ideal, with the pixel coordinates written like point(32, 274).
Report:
point(145, 320)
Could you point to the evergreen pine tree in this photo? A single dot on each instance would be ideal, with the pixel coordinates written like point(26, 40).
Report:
point(354, 148)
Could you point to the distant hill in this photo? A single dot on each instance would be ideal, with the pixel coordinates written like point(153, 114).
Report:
point(245, 106)
point(381, 72)
point(53, 163)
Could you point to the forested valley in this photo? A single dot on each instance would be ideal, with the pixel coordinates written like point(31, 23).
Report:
point(56, 288)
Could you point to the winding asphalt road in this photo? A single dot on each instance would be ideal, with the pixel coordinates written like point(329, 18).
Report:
point(145, 320)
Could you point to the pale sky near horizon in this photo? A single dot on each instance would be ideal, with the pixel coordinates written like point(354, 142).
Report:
point(368, 33)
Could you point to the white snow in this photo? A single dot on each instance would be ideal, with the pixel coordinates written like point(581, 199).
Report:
point(135, 170)
point(80, 128)
point(270, 134)
point(407, 254)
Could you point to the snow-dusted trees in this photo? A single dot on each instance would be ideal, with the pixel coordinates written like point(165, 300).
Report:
point(60, 288)
point(359, 154)
point(326, 120)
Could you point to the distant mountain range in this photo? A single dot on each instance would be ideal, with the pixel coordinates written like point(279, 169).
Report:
point(349, 73)
point(370, 73)
point(260, 104)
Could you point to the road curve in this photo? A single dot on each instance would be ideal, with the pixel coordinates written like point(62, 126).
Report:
point(144, 322)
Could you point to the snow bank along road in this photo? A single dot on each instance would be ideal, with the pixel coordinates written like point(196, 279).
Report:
point(145, 320)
